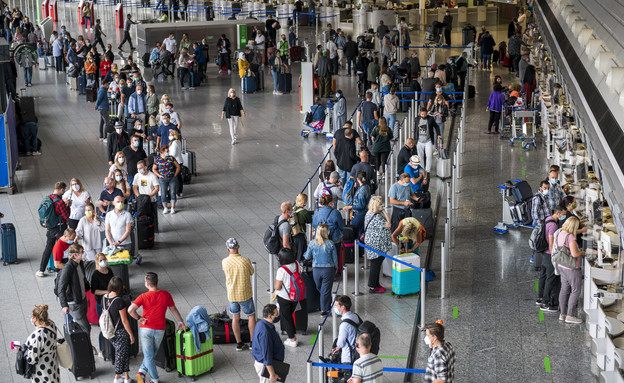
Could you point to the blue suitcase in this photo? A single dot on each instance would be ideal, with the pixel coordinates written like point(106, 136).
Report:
point(195, 79)
point(406, 280)
point(249, 84)
point(82, 84)
point(9, 244)
point(284, 82)
point(51, 263)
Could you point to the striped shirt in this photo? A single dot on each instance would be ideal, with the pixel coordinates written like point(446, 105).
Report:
point(441, 364)
point(368, 368)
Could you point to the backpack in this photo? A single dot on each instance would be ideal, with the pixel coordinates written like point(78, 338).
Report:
point(272, 239)
point(326, 190)
point(537, 240)
point(367, 327)
point(349, 192)
point(106, 322)
point(47, 213)
point(297, 285)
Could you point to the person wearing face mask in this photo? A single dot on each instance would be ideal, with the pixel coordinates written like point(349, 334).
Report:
point(146, 183)
point(137, 104)
point(41, 347)
point(347, 330)
point(105, 65)
point(57, 53)
point(324, 257)
point(167, 169)
point(174, 116)
point(79, 197)
point(88, 232)
point(266, 344)
point(162, 107)
point(555, 192)
point(100, 279)
point(60, 254)
point(121, 183)
point(134, 153)
point(108, 195)
point(441, 361)
point(152, 101)
point(175, 150)
point(549, 284)
point(570, 204)
point(91, 70)
point(287, 307)
point(425, 132)
point(439, 108)
point(233, 111)
point(162, 134)
point(119, 225)
point(118, 164)
point(117, 141)
point(540, 208)
point(72, 288)
point(340, 111)
point(495, 106)
point(391, 107)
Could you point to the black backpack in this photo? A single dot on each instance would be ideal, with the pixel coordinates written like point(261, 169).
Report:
point(538, 241)
point(272, 238)
point(366, 327)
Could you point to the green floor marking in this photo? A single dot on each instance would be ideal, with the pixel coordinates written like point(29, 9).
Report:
point(392, 357)
point(547, 364)
point(314, 338)
point(536, 285)
point(541, 316)
point(523, 172)
point(521, 159)
point(455, 312)
point(252, 102)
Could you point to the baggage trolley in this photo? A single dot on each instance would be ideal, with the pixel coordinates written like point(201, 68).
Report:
point(523, 128)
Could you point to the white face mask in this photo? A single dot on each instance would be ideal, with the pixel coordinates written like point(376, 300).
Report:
point(139, 91)
point(142, 171)
point(76, 187)
point(118, 131)
point(170, 138)
point(121, 160)
point(103, 264)
point(427, 341)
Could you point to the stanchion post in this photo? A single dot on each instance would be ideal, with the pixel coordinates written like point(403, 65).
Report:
point(316, 19)
point(423, 283)
point(345, 278)
point(392, 166)
point(309, 371)
point(356, 278)
point(271, 273)
point(309, 232)
point(443, 251)
point(386, 186)
point(320, 351)
point(447, 233)
point(334, 318)
point(309, 193)
point(254, 285)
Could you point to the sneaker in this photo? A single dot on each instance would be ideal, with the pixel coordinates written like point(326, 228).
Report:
point(278, 93)
point(127, 380)
point(37, 153)
point(532, 261)
point(323, 314)
point(191, 88)
point(562, 317)
point(573, 320)
point(184, 88)
point(539, 301)
point(40, 274)
point(488, 132)
point(241, 346)
point(549, 308)
point(118, 380)
point(376, 290)
point(220, 71)
point(229, 71)
point(172, 211)
point(29, 153)
point(165, 210)
point(290, 343)
point(383, 289)
point(138, 260)
point(140, 377)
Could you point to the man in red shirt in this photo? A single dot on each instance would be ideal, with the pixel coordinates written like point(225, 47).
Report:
point(61, 208)
point(155, 303)
point(63, 243)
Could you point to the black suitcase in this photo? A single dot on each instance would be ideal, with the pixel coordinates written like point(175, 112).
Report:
point(223, 333)
point(521, 191)
point(108, 351)
point(166, 356)
point(26, 109)
point(9, 244)
point(284, 82)
point(471, 91)
point(348, 237)
point(467, 36)
point(301, 321)
point(81, 349)
point(121, 271)
point(145, 232)
point(187, 177)
point(425, 217)
point(195, 79)
point(91, 94)
point(405, 105)
point(313, 297)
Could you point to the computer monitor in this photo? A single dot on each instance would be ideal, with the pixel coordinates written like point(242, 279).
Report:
point(580, 171)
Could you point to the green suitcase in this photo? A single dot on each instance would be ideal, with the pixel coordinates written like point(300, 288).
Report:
point(190, 362)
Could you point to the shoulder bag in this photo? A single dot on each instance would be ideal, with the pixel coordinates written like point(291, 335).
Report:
point(363, 235)
point(561, 254)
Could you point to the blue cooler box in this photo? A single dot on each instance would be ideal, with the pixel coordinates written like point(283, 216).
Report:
point(406, 280)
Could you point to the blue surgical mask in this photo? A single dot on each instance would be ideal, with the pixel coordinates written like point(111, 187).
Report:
point(337, 311)
point(545, 192)
point(562, 218)
point(69, 242)
point(136, 144)
point(552, 181)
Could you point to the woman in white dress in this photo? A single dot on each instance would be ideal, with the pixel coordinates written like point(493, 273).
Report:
point(88, 233)
point(78, 198)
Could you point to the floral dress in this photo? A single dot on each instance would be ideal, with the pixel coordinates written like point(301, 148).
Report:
point(376, 236)
point(41, 352)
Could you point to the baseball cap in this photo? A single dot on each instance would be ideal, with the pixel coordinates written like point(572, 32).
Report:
point(231, 244)
point(414, 160)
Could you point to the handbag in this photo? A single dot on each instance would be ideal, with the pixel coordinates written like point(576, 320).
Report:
point(363, 235)
point(561, 254)
point(64, 355)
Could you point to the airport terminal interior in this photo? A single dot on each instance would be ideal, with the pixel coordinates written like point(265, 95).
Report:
point(487, 302)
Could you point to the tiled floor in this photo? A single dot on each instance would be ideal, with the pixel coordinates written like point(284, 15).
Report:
point(497, 333)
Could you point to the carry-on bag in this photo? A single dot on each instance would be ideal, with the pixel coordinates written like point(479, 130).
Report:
point(189, 361)
point(425, 217)
point(9, 244)
point(82, 351)
point(166, 356)
point(223, 333)
point(145, 232)
point(249, 84)
point(406, 280)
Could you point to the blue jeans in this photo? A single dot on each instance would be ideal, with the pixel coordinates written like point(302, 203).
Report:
point(58, 60)
point(172, 184)
point(247, 307)
point(350, 60)
point(27, 75)
point(150, 343)
point(274, 74)
point(390, 119)
point(486, 60)
point(30, 136)
point(358, 222)
point(344, 176)
point(323, 279)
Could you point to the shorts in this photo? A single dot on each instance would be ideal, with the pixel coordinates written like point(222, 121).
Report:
point(247, 306)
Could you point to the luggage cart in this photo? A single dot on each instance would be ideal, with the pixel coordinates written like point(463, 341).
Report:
point(523, 128)
point(512, 215)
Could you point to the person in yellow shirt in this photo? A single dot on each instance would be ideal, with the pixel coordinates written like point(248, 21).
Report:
point(238, 271)
point(243, 64)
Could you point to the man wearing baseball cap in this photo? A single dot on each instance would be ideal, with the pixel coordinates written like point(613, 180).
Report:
point(238, 271)
point(416, 172)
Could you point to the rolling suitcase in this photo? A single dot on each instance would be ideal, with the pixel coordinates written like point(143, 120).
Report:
point(249, 84)
point(471, 91)
point(42, 63)
point(406, 280)
point(348, 239)
point(113, 105)
point(521, 191)
point(91, 94)
point(107, 348)
point(51, 264)
point(223, 333)
point(300, 317)
point(333, 84)
point(92, 315)
point(259, 80)
point(81, 349)
point(82, 84)
point(189, 361)
point(189, 158)
point(9, 244)
point(284, 82)
point(195, 78)
point(130, 123)
point(295, 53)
point(313, 297)
point(166, 356)
point(145, 232)
point(121, 271)
point(26, 109)
point(425, 217)
point(467, 36)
